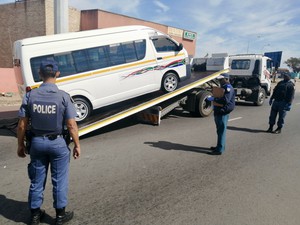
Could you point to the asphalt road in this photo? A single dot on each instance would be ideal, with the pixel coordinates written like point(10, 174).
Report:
point(138, 174)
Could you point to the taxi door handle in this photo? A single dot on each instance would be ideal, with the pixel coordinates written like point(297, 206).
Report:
point(159, 58)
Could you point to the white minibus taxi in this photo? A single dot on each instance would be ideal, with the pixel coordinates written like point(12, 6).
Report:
point(104, 66)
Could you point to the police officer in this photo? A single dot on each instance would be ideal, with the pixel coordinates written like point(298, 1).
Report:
point(47, 109)
point(222, 107)
point(281, 102)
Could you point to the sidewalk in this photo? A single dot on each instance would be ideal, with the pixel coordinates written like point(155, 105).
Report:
point(9, 107)
point(8, 116)
point(9, 111)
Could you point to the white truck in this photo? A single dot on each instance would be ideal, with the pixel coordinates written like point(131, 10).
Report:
point(217, 61)
point(250, 76)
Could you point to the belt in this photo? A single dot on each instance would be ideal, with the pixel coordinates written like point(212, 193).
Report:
point(49, 136)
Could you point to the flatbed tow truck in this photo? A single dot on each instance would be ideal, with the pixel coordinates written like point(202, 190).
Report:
point(150, 108)
point(191, 96)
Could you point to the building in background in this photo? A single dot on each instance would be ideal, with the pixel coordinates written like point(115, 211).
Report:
point(28, 18)
point(31, 18)
point(96, 18)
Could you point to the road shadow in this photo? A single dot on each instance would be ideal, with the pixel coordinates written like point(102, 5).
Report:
point(9, 125)
point(18, 211)
point(244, 103)
point(178, 112)
point(245, 129)
point(166, 145)
point(118, 125)
point(8, 132)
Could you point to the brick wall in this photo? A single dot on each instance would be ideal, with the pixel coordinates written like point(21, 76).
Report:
point(28, 19)
point(22, 20)
point(17, 21)
point(74, 19)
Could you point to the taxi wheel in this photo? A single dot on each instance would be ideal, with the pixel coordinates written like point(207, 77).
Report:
point(83, 108)
point(169, 82)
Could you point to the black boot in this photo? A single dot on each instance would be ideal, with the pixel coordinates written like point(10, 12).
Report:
point(270, 129)
point(62, 216)
point(278, 130)
point(36, 216)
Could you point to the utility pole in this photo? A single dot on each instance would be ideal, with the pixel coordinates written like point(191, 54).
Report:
point(61, 16)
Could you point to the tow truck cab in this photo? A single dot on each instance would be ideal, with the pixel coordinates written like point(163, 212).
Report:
point(250, 76)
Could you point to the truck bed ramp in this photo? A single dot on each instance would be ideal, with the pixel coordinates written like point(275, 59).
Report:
point(131, 110)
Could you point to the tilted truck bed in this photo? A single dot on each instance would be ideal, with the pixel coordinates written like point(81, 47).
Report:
point(110, 114)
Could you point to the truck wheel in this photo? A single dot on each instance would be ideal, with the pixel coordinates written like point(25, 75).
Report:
point(261, 97)
point(83, 108)
point(203, 107)
point(169, 82)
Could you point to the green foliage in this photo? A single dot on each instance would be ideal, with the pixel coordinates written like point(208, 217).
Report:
point(294, 64)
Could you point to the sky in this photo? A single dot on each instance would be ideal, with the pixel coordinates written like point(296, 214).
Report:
point(222, 26)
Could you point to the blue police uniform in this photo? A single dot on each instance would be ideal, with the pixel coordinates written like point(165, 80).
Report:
point(221, 115)
point(283, 95)
point(48, 108)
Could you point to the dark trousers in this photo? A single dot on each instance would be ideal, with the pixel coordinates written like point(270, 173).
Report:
point(45, 153)
point(277, 109)
point(221, 125)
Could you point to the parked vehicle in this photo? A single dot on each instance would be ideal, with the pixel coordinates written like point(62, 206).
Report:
point(104, 66)
point(250, 76)
point(217, 61)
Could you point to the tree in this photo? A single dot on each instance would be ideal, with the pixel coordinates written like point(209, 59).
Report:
point(294, 64)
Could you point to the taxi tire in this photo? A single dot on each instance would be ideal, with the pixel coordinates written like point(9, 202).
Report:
point(169, 82)
point(83, 107)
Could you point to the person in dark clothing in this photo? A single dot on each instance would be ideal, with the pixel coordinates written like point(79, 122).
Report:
point(281, 102)
point(222, 107)
point(47, 109)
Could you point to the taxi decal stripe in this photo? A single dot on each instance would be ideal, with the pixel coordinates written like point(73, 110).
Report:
point(102, 71)
point(175, 63)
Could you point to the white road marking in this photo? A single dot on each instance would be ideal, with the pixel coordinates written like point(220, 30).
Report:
point(237, 118)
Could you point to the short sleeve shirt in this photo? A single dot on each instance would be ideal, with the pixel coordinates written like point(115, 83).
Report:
point(48, 107)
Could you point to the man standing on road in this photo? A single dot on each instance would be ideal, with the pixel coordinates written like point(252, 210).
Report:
point(281, 102)
point(222, 107)
point(46, 110)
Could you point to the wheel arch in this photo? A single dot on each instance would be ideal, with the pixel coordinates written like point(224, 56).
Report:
point(82, 94)
point(84, 97)
point(172, 71)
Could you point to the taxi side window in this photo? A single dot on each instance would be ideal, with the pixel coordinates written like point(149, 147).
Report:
point(164, 45)
point(83, 60)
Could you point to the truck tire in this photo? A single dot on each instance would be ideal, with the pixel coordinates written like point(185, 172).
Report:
point(83, 108)
point(203, 107)
point(169, 82)
point(260, 97)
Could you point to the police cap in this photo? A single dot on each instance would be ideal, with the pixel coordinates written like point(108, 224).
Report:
point(287, 74)
point(48, 66)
